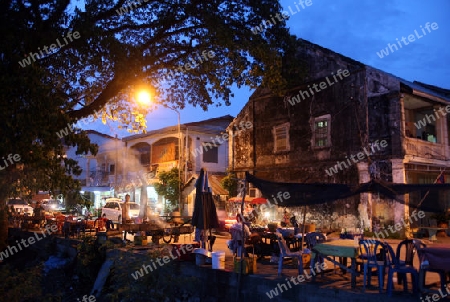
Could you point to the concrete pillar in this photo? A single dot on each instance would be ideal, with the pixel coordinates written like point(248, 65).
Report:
point(365, 204)
point(401, 210)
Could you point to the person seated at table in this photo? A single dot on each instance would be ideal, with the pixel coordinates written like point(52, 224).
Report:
point(11, 214)
point(38, 211)
point(294, 223)
point(106, 222)
point(236, 235)
point(66, 227)
point(286, 217)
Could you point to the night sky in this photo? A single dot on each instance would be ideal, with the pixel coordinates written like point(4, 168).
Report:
point(357, 29)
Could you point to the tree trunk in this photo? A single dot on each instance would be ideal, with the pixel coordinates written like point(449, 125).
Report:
point(3, 228)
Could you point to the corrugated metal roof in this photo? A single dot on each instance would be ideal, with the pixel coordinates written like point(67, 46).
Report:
point(211, 126)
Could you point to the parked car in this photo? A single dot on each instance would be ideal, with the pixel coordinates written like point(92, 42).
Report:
point(113, 209)
point(20, 205)
point(52, 205)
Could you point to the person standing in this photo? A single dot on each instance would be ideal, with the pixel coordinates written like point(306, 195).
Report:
point(238, 236)
point(126, 209)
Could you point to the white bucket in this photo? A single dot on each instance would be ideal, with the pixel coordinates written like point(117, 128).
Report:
point(218, 260)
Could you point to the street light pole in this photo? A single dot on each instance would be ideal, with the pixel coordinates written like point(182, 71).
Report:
point(180, 148)
point(144, 97)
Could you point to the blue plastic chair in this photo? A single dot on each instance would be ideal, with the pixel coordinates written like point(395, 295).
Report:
point(410, 250)
point(286, 253)
point(401, 268)
point(442, 273)
point(374, 257)
point(311, 240)
point(314, 238)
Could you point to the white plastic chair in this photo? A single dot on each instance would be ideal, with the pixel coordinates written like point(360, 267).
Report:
point(239, 244)
point(286, 253)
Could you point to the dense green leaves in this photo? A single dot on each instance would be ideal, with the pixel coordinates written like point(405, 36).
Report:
point(230, 183)
point(169, 185)
point(63, 60)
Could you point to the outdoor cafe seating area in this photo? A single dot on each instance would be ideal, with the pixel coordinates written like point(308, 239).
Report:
point(67, 225)
point(391, 267)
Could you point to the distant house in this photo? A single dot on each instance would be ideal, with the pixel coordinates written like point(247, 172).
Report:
point(220, 195)
point(346, 122)
point(191, 147)
point(101, 172)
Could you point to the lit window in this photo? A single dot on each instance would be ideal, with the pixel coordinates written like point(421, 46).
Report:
point(321, 131)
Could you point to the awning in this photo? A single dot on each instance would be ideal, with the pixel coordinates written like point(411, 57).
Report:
point(316, 193)
point(252, 200)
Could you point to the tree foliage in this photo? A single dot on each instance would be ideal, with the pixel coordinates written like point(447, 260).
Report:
point(230, 183)
point(169, 185)
point(117, 52)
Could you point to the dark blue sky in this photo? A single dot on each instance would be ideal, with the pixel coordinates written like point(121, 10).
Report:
point(358, 29)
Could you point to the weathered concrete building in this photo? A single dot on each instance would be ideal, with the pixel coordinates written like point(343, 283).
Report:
point(191, 147)
point(101, 172)
point(346, 122)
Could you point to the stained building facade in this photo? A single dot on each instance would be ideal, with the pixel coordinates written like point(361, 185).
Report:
point(346, 122)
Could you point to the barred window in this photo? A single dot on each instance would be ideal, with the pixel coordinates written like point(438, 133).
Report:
point(321, 131)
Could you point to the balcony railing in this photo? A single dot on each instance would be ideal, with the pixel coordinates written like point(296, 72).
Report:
point(425, 149)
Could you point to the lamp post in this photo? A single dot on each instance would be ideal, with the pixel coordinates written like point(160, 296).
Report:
point(144, 97)
point(180, 148)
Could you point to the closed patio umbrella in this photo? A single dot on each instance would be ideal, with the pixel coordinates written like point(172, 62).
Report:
point(205, 214)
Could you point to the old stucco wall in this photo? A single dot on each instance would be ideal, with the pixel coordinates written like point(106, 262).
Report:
point(364, 107)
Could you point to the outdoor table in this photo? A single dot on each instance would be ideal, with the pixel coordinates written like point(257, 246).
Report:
point(50, 220)
point(266, 245)
point(338, 248)
point(72, 227)
point(27, 220)
point(438, 258)
point(432, 232)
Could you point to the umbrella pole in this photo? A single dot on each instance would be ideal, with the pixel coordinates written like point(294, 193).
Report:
point(243, 240)
point(209, 240)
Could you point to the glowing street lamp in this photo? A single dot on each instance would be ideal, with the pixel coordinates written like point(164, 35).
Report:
point(143, 97)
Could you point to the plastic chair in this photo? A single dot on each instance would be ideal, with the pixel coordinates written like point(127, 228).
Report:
point(442, 273)
point(373, 259)
point(60, 223)
point(286, 253)
point(396, 266)
point(239, 244)
point(311, 240)
point(410, 251)
point(314, 238)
